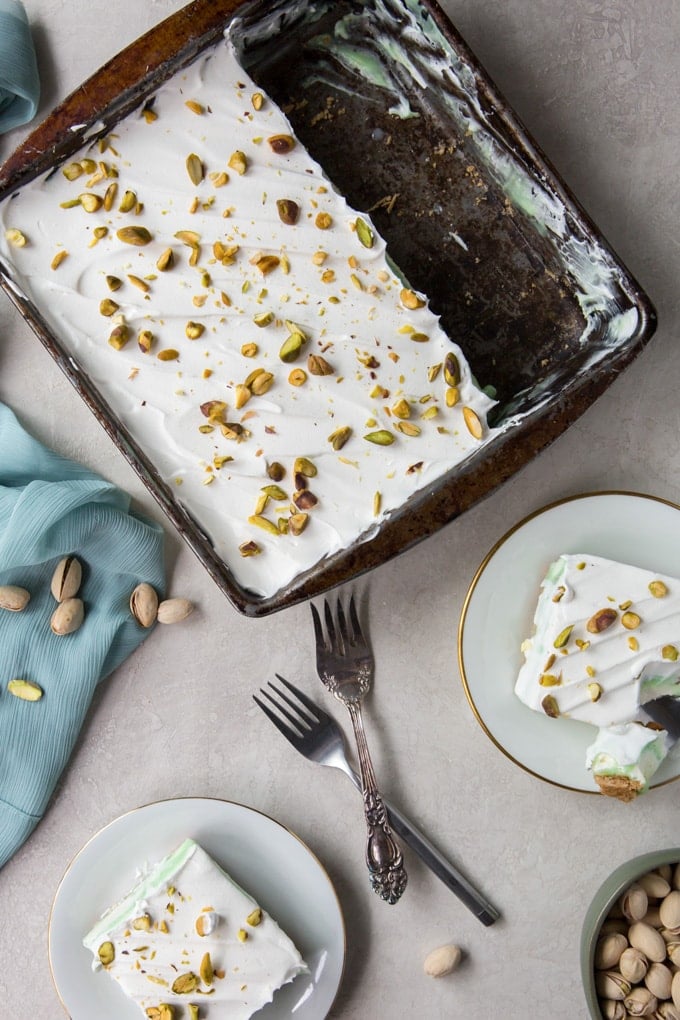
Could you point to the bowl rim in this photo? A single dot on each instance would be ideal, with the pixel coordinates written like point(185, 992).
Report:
point(600, 905)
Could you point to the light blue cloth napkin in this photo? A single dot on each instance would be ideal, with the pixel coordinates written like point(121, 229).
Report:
point(49, 508)
point(19, 81)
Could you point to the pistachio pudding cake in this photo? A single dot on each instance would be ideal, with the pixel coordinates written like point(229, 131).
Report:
point(188, 942)
point(244, 324)
point(606, 640)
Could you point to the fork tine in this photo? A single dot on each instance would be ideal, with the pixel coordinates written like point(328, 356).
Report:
point(330, 628)
point(342, 626)
point(299, 719)
point(310, 705)
point(289, 734)
point(318, 629)
point(357, 633)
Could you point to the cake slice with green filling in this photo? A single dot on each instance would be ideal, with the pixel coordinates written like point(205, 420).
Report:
point(606, 640)
point(188, 942)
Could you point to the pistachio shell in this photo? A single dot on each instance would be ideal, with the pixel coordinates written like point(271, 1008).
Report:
point(174, 610)
point(611, 985)
point(608, 950)
point(144, 604)
point(13, 598)
point(647, 939)
point(442, 961)
point(67, 617)
point(658, 979)
point(655, 886)
point(633, 965)
point(640, 1002)
point(634, 903)
point(669, 911)
point(612, 1010)
point(675, 989)
point(66, 578)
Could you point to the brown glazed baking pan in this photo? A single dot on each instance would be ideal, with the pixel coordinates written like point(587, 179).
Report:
point(378, 91)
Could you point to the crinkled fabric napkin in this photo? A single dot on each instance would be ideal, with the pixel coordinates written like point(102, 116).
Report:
point(19, 81)
point(51, 507)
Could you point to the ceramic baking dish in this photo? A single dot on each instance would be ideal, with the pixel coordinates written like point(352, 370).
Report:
point(393, 105)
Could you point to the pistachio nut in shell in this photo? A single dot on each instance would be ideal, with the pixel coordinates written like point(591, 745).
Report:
point(634, 903)
point(612, 1010)
point(633, 965)
point(648, 940)
point(67, 617)
point(669, 911)
point(66, 578)
point(144, 604)
point(658, 979)
point(611, 985)
point(608, 950)
point(13, 598)
point(655, 886)
point(442, 961)
point(640, 1002)
point(174, 610)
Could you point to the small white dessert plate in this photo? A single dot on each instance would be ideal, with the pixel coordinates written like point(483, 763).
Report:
point(261, 855)
point(498, 615)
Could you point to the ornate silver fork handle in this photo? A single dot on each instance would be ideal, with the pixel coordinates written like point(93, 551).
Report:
point(383, 857)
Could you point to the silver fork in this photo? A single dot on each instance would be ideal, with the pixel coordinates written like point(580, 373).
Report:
point(344, 663)
point(317, 736)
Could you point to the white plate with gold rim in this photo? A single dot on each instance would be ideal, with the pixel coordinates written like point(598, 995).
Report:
point(498, 611)
point(262, 856)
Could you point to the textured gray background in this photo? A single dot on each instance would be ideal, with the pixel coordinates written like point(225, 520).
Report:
point(597, 85)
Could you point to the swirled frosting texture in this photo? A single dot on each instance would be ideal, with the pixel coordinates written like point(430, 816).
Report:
point(198, 172)
point(607, 639)
point(158, 934)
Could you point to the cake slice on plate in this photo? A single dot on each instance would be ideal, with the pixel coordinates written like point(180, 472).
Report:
point(607, 639)
point(187, 941)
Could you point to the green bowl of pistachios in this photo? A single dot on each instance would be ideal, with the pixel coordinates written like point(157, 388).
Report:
point(630, 943)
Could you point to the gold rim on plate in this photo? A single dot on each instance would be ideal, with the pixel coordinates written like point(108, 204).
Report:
point(470, 595)
point(213, 800)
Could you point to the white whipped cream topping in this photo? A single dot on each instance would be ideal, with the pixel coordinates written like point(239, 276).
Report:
point(349, 308)
point(174, 893)
point(631, 750)
point(602, 678)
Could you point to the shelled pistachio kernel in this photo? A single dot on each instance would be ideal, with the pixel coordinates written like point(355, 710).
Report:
point(185, 983)
point(238, 162)
point(106, 953)
point(658, 589)
point(15, 237)
point(164, 1011)
point(205, 923)
point(138, 236)
point(26, 690)
point(364, 233)
point(119, 336)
